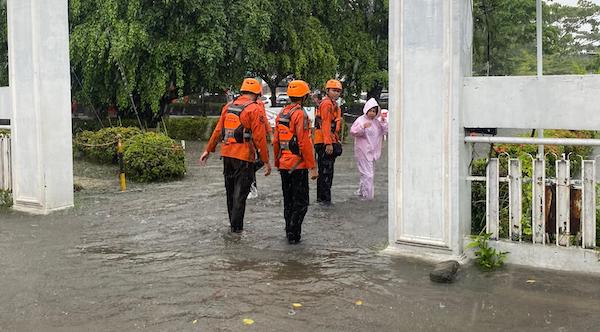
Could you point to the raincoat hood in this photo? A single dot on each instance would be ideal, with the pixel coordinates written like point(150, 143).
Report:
point(370, 104)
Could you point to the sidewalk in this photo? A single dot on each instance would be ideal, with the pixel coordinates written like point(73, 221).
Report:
point(159, 258)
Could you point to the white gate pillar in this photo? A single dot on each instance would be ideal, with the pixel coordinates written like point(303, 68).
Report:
point(429, 56)
point(39, 82)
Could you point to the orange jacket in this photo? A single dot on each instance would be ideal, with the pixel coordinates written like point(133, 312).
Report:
point(252, 118)
point(300, 126)
point(329, 112)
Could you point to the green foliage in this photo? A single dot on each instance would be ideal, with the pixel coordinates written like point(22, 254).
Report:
point(154, 157)
point(504, 38)
point(100, 146)
point(6, 199)
point(3, 45)
point(147, 49)
point(487, 257)
point(197, 129)
point(80, 124)
point(5, 132)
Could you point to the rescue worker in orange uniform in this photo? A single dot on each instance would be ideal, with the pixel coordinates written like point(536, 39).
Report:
point(241, 131)
point(328, 123)
point(294, 157)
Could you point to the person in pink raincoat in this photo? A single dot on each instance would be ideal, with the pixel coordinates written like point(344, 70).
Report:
point(368, 131)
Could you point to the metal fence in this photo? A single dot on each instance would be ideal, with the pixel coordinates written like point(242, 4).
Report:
point(5, 163)
point(563, 208)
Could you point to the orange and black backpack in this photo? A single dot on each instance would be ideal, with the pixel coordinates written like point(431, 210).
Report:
point(288, 141)
point(233, 129)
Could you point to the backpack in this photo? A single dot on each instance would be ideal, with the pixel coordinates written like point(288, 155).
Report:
point(233, 129)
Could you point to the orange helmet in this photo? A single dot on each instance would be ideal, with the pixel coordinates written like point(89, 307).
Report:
point(251, 85)
point(333, 84)
point(298, 88)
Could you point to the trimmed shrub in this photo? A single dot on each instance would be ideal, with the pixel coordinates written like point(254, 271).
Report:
point(4, 132)
point(153, 157)
point(6, 199)
point(195, 129)
point(100, 146)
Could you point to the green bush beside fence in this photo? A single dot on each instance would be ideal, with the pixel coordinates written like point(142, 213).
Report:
point(154, 157)
point(100, 145)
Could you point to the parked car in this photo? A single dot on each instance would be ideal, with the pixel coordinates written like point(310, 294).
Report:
point(282, 99)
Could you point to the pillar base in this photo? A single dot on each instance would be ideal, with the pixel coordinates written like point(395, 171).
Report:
point(36, 208)
point(425, 253)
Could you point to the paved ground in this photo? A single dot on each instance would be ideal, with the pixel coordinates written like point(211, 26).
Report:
point(159, 258)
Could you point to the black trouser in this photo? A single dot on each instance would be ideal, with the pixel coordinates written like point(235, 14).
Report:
point(325, 180)
point(295, 201)
point(238, 178)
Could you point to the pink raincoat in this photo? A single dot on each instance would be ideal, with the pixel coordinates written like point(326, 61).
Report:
point(367, 148)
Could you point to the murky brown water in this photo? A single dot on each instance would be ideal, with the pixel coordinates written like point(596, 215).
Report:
point(159, 258)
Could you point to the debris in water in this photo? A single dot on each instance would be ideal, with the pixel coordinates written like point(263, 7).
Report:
point(358, 302)
point(248, 321)
point(297, 305)
point(531, 281)
point(195, 321)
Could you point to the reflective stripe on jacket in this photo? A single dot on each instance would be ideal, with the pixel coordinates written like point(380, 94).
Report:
point(299, 126)
point(251, 118)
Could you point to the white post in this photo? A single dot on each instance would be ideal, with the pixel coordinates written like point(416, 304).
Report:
point(588, 218)
point(538, 201)
point(515, 189)
point(429, 56)
point(39, 80)
point(492, 198)
point(563, 194)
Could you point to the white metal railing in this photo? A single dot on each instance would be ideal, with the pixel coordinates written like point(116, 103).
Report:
point(555, 191)
point(5, 163)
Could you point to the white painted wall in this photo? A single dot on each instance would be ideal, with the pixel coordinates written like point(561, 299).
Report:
point(429, 55)
point(39, 80)
point(552, 102)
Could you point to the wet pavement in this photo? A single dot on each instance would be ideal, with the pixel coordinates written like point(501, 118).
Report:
point(159, 258)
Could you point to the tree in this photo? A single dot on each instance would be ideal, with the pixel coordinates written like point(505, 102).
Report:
point(144, 51)
point(3, 45)
point(360, 34)
point(504, 41)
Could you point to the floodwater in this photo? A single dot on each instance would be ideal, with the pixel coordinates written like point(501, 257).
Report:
point(159, 258)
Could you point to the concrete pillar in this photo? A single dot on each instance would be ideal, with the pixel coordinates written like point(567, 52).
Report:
point(39, 81)
point(429, 197)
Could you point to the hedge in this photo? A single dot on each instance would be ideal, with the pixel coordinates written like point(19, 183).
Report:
point(100, 146)
point(191, 128)
point(80, 124)
point(154, 157)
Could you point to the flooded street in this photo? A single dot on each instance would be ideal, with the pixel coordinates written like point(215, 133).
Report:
point(160, 258)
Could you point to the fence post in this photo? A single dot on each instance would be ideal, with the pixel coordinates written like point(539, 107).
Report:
point(563, 193)
point(588, 224)
point(538, 201)
point(121, 164)
point(515, 185)
point(492, 212)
